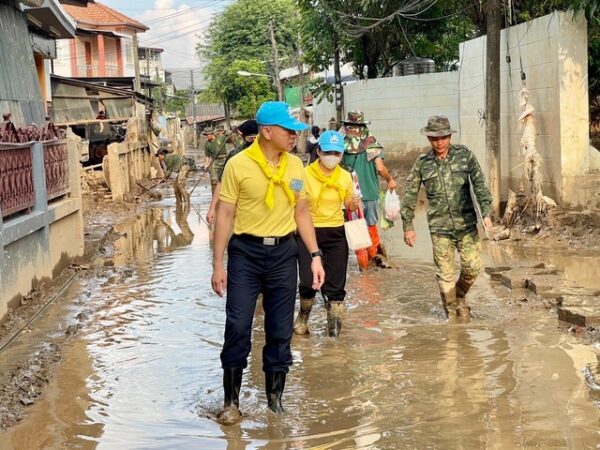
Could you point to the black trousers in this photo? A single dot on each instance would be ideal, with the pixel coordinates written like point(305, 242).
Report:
point(253, 268)
point(332, 241)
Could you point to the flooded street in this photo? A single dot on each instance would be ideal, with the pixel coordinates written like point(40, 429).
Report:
point(144, 373)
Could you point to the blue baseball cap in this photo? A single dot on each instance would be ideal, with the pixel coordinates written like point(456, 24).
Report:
point(278, 113)
point(332, 141)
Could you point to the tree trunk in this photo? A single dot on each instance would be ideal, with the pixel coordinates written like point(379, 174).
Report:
point(338, 89)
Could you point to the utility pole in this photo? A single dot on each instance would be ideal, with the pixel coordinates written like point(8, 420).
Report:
point(148, 70)
point(338, 90)
point(136, 64)
point(275, 62)
point(492, 100)
point(193, 107)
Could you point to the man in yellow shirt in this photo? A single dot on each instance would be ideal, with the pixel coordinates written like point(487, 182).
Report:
point(328, 189)
point(263, 199)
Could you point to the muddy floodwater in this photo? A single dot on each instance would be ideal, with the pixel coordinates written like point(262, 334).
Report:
point(144, 371)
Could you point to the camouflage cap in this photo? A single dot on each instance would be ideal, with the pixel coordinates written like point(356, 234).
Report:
point(356, 118)
point(437, 126)
point(207, 131)
point(220, 128)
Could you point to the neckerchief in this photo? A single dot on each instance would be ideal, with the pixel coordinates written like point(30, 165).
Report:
point(331, 181)
point(255, 154)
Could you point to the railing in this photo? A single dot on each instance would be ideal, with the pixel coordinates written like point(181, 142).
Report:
point(56, 164)
point(93, 70)
point(16, 178)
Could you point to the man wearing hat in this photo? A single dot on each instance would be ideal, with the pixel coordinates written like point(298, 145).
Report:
point(364, 155)
point(448, 172)
point(215, 153)
point(263, 199)
point(247, 131)
point(209, 146)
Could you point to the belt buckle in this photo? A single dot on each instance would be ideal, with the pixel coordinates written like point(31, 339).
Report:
point(269, 241)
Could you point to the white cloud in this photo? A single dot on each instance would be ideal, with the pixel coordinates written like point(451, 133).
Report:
point(176, 29)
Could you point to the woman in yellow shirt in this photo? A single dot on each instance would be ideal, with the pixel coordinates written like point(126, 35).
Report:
point(329, 188)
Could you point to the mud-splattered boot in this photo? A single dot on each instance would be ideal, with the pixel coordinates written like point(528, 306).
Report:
point(232, 382)
point(335, 314)
point(449, 304)
point(301, 323)
point(274, 384)
point(462, 310)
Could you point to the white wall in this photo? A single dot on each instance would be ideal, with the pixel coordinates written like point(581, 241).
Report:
point(398, 107)
point(553, 51)
point(62, 63)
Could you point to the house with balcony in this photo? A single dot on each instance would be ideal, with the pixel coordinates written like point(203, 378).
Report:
point(105, 45)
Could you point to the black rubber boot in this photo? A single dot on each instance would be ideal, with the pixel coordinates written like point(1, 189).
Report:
point(274, 384)
point(232, 382)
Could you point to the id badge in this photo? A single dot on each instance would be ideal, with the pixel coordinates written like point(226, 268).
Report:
point(296, 185)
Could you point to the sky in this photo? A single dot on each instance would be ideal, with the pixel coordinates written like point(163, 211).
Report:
point(175, 25)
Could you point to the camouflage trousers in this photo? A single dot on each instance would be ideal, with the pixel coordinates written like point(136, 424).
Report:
point(453, 291)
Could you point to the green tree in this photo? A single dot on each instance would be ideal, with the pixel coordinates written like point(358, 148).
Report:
point(240, 37)
point(244, 94)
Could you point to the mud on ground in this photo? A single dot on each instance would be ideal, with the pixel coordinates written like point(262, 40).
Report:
point(23, 383)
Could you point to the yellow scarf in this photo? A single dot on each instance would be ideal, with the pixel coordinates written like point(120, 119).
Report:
point(331, 181)
point(255, 154)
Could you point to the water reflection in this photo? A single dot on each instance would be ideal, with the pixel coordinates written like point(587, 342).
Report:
point(146, 373)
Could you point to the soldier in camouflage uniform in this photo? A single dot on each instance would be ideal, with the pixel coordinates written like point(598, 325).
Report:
point(215, 155)
point(448, 171)
point(363, 154)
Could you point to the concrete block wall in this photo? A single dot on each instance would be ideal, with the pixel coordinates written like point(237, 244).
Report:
point(398, 107)
point(553, 52)
point(127, 165)
point(38, 245)
point(129, 161)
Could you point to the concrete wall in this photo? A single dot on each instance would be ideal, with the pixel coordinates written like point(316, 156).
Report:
point(39, 245)
point(129, 161)
point(398, 107)
point(553, 51)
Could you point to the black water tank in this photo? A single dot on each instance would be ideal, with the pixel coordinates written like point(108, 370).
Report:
point(413, 66)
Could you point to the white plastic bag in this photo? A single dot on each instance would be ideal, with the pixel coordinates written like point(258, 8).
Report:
point(357, 233)
point(391, 206)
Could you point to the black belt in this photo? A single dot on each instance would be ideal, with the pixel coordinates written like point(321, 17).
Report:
point(268, 240)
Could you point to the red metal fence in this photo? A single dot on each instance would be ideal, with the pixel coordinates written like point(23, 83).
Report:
point(16, 178)
point(56, 163)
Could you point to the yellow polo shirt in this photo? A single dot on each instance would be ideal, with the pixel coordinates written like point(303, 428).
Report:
point(329, 213)
point(245, 185)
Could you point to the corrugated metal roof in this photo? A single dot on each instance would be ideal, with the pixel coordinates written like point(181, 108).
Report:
point(20, 92)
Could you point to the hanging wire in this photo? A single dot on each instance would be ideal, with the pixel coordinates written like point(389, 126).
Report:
point(507, 18)
point(406, 37)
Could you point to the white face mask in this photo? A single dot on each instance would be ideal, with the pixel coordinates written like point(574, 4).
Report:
point(330, 161)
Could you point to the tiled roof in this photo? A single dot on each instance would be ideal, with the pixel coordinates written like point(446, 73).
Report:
point(95, 13)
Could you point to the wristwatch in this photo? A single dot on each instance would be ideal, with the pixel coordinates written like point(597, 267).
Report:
point(317, 253)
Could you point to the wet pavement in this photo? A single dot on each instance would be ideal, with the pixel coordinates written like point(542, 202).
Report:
point(144, 371)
